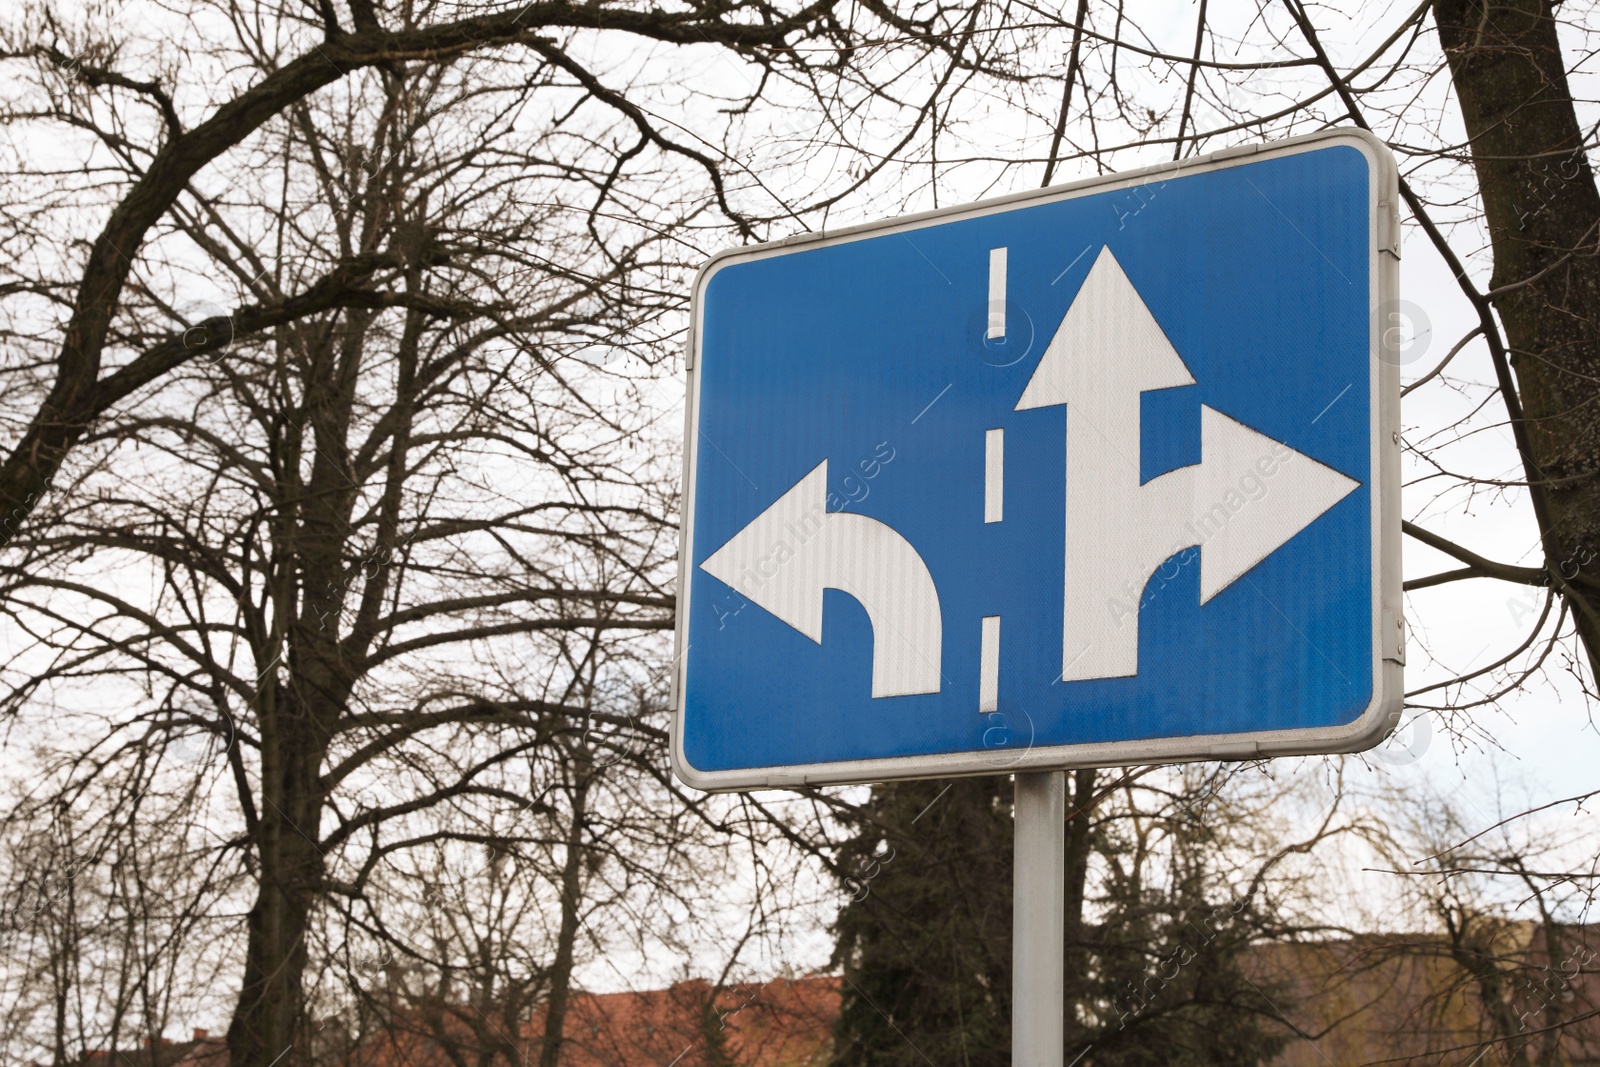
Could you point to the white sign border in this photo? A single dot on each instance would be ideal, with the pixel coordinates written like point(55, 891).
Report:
point(1388, 627)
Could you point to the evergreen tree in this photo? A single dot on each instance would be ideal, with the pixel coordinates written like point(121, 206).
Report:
point(1168, 988)
point(1154, 938)
point(924, 939)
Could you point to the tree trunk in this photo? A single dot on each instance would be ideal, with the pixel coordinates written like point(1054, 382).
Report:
point(270, 1010)
point(1543, 216)
point(555, 1019)
point(298, 718)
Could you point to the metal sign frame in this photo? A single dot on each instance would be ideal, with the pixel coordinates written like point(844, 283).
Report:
point(1387, 620)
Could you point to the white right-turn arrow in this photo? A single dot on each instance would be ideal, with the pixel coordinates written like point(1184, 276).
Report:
point(1251, 494)
point(784, 558)
point(1248, 496)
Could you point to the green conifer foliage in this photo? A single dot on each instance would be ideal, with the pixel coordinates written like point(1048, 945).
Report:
point(924, 938)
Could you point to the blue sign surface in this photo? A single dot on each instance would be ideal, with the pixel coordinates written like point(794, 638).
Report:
point(1098, 476)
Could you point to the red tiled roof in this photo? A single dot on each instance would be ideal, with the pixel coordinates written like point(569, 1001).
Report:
point(1365, 999)
point(781, 1023)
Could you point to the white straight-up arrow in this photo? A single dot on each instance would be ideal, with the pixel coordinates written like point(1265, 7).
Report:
point(1248, 496)
point(786, 556)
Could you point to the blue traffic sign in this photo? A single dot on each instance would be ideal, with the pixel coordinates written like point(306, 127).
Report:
point(1099, 475)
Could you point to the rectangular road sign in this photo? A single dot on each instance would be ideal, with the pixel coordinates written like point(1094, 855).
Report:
point(1103, 474)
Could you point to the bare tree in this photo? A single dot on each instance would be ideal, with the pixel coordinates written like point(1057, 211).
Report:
point(1527, 981)
point(362, 463)
point(101, 917)
point(336, 438)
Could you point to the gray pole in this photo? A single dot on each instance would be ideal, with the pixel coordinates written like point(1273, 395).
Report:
point(1037, 921)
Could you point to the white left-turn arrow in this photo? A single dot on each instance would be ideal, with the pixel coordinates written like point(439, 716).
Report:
point(786, 556)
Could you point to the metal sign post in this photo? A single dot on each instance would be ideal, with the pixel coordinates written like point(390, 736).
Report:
point(1037, 921)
